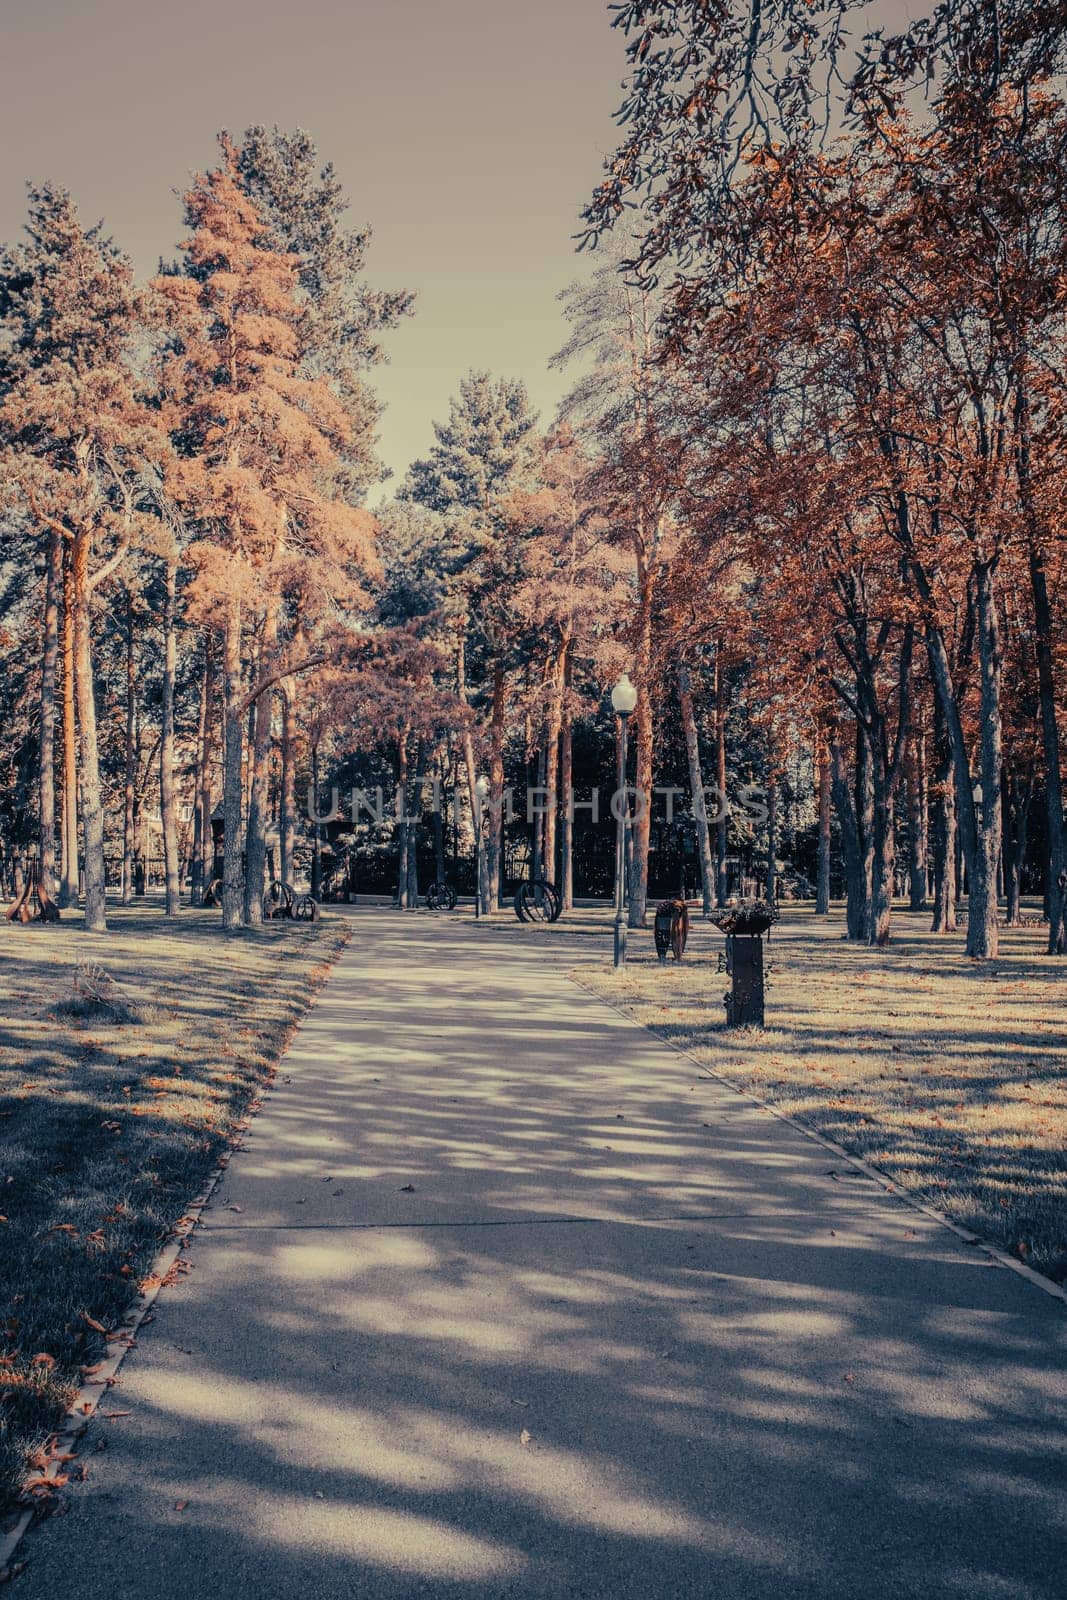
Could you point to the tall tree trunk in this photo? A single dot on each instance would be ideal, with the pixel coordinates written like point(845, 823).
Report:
point(316, 837)
point(468, 743)
point(982, 872)
point(855, 813)
point(205, 765)
point(882, 833)
point(259, 796)
point(552, 733)
point(168, 805)
point(92, 806)
point(287, 801)
point(69, 886)
point(232, 776)
point(824, 786)
point(402, 818)
point(915, 789)
point(537, 820)
point(566, 780)
point(943, 794)
point(1056, 865)
point(129, 789)
point(884, 859)
point(643, 738)
point(201, 813)
point(696, 789)
point(46, 752)
point(722, 834)
point(494, 847)
point(440, 871)
point(1018, 793)
point(1050, 740)
point(980, 843)
point(865, 827)
point(770, 883)
point(413, 827)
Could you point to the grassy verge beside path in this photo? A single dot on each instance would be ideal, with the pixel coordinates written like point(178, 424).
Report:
point(111, 1117)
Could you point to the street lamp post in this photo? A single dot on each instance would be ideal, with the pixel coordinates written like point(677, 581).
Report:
point(481, 795)
point(623, 701)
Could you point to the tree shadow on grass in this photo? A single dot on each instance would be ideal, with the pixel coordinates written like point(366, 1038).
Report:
point(500, 1300)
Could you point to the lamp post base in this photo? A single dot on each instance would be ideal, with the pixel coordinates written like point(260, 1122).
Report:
point(620, 941)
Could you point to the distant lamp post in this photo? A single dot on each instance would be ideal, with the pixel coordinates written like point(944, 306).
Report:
point(623, 701)
point(481, 795)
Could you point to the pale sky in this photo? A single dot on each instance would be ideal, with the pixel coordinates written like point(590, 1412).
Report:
point(467, 132)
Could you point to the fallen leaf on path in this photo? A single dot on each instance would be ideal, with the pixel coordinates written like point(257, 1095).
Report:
point(524, 1436)
point(180, 1505)
point(407, 1188)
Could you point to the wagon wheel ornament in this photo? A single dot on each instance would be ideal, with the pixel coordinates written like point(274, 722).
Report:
point(440, 896)
point(539, 901)
point(278, 900)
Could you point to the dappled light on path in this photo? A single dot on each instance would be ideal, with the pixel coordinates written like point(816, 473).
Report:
point(504, 1298)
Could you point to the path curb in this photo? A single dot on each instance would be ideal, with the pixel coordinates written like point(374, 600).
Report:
point(890, 1185)
point(119, 1341)
point(122, 1339)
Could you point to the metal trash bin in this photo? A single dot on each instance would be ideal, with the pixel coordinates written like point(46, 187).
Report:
point(671, 929)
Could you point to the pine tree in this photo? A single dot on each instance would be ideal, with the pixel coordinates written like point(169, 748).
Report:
point(261, 447)
point(77, 438)
point(484, 452)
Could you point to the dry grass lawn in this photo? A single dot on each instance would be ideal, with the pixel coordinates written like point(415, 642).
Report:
point(949, 1075)
point(112, 1115)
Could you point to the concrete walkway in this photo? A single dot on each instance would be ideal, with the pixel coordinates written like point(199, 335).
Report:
point(504, 1299)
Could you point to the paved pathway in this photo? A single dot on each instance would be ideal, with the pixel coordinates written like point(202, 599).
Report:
point(504, 1299)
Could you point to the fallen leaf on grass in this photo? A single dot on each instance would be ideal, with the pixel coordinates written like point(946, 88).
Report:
point(40, 1485)
point(91, 1322)
point(525, 1436)
point(180, 1505)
